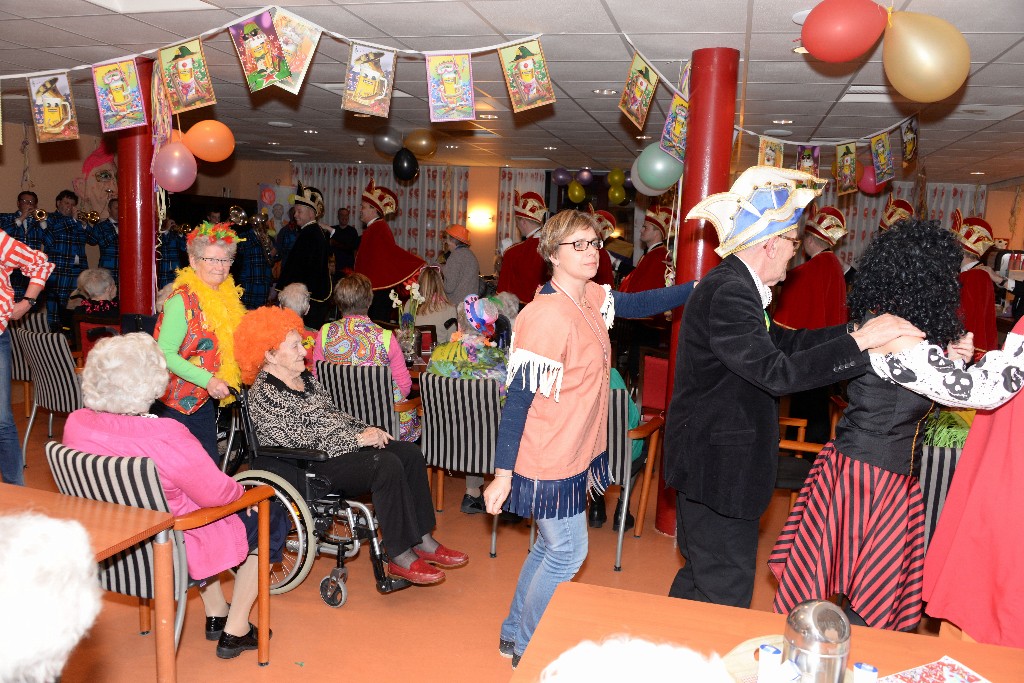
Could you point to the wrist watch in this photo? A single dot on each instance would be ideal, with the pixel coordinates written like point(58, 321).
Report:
point(30, 300)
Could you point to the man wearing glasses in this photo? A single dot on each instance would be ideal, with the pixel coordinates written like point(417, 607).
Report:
point(24, 226)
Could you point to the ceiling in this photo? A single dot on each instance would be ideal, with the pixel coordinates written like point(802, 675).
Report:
point(979, 129)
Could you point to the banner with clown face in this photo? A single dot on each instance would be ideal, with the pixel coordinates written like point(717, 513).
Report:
point(118, 96)
point(639, 91)
point(184, 72)
point(259, 51)
point(526, 76)
point(450, 87)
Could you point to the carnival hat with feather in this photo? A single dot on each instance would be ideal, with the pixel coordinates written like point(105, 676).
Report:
point(974, 233)
point(606, 224)
point(895, 210)
point(765, 201)
point(530, 205)
point(311, 197)
point(827, 224)
point(380, 198)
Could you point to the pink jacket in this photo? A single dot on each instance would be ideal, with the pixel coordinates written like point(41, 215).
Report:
point(189, 478)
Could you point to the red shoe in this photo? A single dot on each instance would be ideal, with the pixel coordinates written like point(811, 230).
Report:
point(443, 557)
point(419, 572)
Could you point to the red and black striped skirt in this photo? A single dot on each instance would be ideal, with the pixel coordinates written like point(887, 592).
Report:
point(858, 530)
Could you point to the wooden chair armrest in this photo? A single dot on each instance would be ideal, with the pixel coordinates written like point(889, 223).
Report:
point(408, 405)
point(204, 516)
point(645, 429)
point(792, 421)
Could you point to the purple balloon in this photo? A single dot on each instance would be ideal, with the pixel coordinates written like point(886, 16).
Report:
point(561, 177)
point(174, 167)
point(584, 176)
point(628, 184)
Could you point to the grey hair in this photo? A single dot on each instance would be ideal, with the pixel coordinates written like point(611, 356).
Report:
point(94, 282)
point(163, 295)
point(296, 297)
point(58, 590)
point(197, 247)
point(124, 375)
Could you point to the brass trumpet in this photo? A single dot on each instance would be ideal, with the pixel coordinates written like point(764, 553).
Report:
point(237, 215)
point(91, 217)
point(39, 214)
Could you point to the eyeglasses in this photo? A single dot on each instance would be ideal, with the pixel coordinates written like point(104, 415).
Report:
point(581, 245)
point(217, 261)
point(31, 202)
point(797, 241)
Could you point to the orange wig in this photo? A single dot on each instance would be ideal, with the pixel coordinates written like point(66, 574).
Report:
point(260, 331)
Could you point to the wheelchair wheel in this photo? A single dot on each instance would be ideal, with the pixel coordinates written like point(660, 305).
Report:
point(334, 593)
point(300, 546)
point(231, 445)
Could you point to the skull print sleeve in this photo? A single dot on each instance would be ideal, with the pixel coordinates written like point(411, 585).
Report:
point(925, 369)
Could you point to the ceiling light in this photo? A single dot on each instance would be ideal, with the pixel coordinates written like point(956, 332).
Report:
point(778, 132)
point(605, 91)
point(360, 115)
point(977, 173)
point(643, 137)
point(451, 146)
point(549, 149)
point(280, 124)
point(782, 122)
point(269, 142)
point(310, 131)
point(489, 117)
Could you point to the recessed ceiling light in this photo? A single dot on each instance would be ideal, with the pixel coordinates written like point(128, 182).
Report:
point(489, 117)
point(643, 137)
point(778, 132)
point(360, 115)
point(800, 17)
point(310, 131)
point(605, 91)
point(451, 146)
point(782, 122)
point(280, 124)
point(977, 173)
point(550, 148)
point(269, 142)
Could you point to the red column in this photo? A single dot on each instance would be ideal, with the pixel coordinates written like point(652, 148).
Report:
point(713, 77)
point(136, 210)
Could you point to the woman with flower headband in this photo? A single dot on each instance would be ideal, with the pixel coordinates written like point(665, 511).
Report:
point(196, 330)
point(354, 339)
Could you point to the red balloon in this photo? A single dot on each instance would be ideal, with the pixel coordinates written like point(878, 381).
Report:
point(841, 30)
point(867, 184)
point(210, 140)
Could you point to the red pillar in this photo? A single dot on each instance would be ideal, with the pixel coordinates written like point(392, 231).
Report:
point(136, 210)
point(713, 77)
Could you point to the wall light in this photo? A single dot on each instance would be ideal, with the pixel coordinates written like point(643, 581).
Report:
point(480, 218)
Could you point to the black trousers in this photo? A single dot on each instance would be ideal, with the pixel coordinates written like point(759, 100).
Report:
point(396, 479)
point(720, 554)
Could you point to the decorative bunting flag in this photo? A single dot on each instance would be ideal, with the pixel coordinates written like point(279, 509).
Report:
point(450, 87)
point(53, 108)
point(673, 137)
point(846, 168)
point(526, 75)
point(684, 82)
point(638, 91)
point(184, 72)
point(299, 39)
point(808, 159)
point(769, 152)
point(259, 51)
point(881, 157)
point(908, 136)
point(118, 96)
point(371, 73)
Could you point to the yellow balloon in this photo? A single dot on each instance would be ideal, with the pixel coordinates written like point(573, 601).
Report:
point(576, 192)
point(925, 58)
point(421, 142)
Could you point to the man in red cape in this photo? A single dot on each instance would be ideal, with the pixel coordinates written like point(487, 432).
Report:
point(522, 268)
point(650, 270)
point(813, 294)
point(977, 295)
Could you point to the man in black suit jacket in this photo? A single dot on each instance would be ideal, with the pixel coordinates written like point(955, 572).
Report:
point(733, 364)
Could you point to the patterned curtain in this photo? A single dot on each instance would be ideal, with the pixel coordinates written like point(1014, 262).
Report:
point(511, 180)
point(436, 199)
point(863, 212)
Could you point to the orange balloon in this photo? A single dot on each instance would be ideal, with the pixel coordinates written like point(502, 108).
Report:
point(176, 136)
point(210, 140)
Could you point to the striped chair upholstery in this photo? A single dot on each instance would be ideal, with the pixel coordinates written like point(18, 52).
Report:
point(460, 423)
point(620, 448)
point(55, 385)
point(35, 322)
point(364, 392)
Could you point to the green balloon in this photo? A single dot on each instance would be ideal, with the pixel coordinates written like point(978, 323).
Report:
point(616, 194)
point(576, 192)
point(658, 169)
point(616, 177)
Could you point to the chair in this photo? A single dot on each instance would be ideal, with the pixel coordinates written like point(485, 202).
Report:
point(136, 322)
point(793, 466)
point(20, 371)
point(427, 337)
point(652, 397)
point(89, 329)
point(460, 429)
point(135, 482)
point(55, 383)
point(365, 393)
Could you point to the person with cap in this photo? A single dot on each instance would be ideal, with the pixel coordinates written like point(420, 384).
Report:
point(522, 268)
point(977, 296)
point(379, 258)
point(721, 446)
point(308, 260)
point(606, 227)
point(650, 269)
point(461, 270)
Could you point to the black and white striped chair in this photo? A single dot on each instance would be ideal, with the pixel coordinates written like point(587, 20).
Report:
point(55, 385)
point(460, 429)
point(365, 393)
point(35, 321)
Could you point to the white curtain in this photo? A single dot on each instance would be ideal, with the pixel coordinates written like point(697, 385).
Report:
point(426, 206)
point(510, 181)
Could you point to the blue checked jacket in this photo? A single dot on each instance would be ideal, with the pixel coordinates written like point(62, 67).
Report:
point(31, 233)
point(105, 233)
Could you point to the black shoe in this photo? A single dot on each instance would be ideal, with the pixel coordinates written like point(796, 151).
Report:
point(597, 516)
point(214, 627)
point(509, 517)
point(473, 505)
point(629, 518)
point(506, 648)
point(515, 661)
point(229, 646)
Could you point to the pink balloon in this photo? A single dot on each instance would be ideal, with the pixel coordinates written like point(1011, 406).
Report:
point(867, 182)
point(174, 167)
point(842, 30)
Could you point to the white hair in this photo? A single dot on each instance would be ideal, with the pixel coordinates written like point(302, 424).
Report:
point(163, 295)
point(50, 595)
point(94, 282)
point(295, 297)
point(124, 374)
point(627, 658)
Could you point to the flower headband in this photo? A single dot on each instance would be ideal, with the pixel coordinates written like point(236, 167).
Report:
point(214, 233)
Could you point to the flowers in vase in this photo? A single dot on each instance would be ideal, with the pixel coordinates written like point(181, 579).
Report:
point(407, 310)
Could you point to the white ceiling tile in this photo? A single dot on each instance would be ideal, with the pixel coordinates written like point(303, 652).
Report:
point(125, 30)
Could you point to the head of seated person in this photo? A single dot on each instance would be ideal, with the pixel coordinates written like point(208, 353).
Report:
point(295, 297)
point(97, 290)
point(124, 375)
point(270, 338)
point(476, 318)
point(353, 295)
point(625, 657)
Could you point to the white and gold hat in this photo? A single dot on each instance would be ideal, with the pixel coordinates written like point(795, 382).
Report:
point(380, 198)
point(827, 224)
point(530, 205)
point(974, 233)
point(895, 210)
point(311, 197)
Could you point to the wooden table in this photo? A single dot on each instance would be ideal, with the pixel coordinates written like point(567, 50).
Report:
point(582, 612)
point(113, 528)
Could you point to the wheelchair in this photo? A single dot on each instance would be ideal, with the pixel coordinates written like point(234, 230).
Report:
point(321, 522)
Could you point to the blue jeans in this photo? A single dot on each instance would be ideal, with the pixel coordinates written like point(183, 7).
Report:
point(557, 555)
point(10, 450)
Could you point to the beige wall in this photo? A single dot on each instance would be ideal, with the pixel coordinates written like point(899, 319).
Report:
point(240, 177)
point(997, 213)
point(51, 167)
point(481, 205)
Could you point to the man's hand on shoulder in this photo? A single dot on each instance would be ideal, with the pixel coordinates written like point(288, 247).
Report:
point(879, 331)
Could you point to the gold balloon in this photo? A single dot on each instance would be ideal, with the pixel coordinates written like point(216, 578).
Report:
point(421, 142)
point(926, 58)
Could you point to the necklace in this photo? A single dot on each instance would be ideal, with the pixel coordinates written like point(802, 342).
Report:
point(586, 305)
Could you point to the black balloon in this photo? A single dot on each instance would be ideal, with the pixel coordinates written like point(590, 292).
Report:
point(405, 165)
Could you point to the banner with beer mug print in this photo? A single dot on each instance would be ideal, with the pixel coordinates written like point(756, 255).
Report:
point(371, 73)
point(53, 108)
point(259, 51)
point(184, 72)
point(118, 96)
point(450, 87)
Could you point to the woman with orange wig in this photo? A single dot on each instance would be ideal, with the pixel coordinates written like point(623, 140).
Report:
point(290, 409)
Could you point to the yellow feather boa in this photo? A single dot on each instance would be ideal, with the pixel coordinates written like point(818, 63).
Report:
point(222, 311)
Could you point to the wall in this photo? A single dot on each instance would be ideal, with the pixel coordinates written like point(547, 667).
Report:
point(240, 177)
point(482, 209)
point(997, 213)
point(51, 167)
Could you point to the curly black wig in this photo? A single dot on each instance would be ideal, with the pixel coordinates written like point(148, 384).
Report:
point(911, 271)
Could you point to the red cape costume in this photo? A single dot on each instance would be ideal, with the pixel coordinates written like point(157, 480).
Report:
point(978, 307)
point(605, 274)
point(813, 295)
point(973, 568)
point(522, 270)
point(382, 260)
point(649, 273)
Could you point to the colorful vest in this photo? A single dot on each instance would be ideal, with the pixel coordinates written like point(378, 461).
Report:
point(199, 348)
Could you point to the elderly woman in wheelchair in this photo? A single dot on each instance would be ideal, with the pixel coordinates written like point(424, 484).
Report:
point(290, 409)
point(123, 376)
